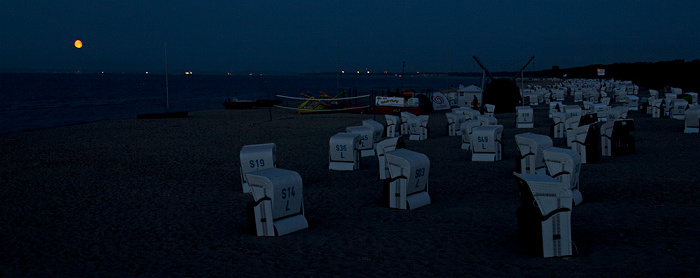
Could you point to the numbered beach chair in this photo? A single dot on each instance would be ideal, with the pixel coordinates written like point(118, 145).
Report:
point(407, 186)
point(418, 127)
point(489, 110)
point(278, 207)
point(565, 166)
point(366, 146)
point(344, 153)
point(387, 145)
point(454, 121)
point(467, 129)
point(601, 110)
point(572, 111)
point(378, 130)
point(633, 103)
point(255, 158)
point(585, 139)
point(544, 218)
point(678, 107)
point(558, 129)
point(692, 120)
point(617, 113)
point(524, 117)
point(405, 127)
point(570, 124)
point(392, 125)
point(531, 159)
point(554, 106)
point(486, 143)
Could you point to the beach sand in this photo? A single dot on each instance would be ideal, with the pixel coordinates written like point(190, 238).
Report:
point(163, 198)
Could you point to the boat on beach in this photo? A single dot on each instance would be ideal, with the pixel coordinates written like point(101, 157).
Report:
point(238, 104)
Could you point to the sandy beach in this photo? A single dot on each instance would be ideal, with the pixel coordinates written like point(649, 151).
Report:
point(163, 198)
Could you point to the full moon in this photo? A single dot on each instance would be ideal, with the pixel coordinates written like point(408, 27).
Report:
point(78, 44)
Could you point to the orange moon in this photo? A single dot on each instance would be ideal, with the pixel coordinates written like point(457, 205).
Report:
point(78, 44)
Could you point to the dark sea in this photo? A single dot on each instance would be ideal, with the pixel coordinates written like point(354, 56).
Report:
point(30, 101)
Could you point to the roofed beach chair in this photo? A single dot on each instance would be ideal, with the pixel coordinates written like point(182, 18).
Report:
point(407, 186)
point(255, 158)
point(531, 159)
point(392, 125)
point(278, 206)
point(344, 153)
point(487, 143)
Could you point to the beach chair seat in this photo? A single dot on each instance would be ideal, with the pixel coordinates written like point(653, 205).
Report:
point(692, 120)
point(489, 110)
point(454, 121)
point(418, 127)
point(405, 117)
point(392, 125)
point(544, 217)
point(407, 186)
point(531, 159)
point(387, 145)
point(486, 143)
point(255, 158)
point(565, 166)
point(278, 207)
point(678, 107)
point(366, 133)
point(524, 117)
point(467, 129)
point(344, 153)
point(558, 129)
point(378, 130)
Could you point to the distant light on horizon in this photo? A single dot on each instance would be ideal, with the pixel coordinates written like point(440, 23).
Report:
point(78, 44)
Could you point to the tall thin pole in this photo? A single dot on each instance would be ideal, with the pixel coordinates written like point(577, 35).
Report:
point(337, 71)
point(167, 93)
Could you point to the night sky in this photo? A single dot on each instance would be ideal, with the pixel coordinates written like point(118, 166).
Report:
point(321, 36)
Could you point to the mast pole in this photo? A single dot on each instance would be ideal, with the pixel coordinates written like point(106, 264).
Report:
point(167, 93)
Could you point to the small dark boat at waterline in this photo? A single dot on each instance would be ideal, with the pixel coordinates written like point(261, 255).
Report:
point(238, 104)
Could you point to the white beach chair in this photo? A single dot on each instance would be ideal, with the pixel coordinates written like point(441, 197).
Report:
point(585, 141)
point(386, 145)
point(530, 145)
point(366, 133)
point(489, 110)
point(544, 219)
point(454, 121)
point(678, 107)
point(378, 130)
point(617, 113)
point(633, 103)
point(524, 117)
point(255, 158)
point(344, 154)
point(657, 107)
point(467, 128)
point(418, 127)
point(487, 120)
point(392, 125)
point(407, 186)
point(558, 127)
point(554, 106)
point(572, 111)
point(486, 143)
point(692, 120)
point(570, 124)
point(278, 207)
point(565, 166)
point(405, 117)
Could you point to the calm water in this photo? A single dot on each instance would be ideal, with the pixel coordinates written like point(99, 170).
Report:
point(36, 101)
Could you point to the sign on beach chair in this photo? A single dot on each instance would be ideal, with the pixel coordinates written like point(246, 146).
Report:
point(278, 207)
point(572, 111)
point(407, 186)
point(366, 146)
point(344, 153)
point(386, 145)
point(405, 117)
point(377, 127)
point(565, 166)
point(558, 129)
point(255, 158)
point(524, 117)
point(392, 125)
point(692, 120)
point(418, 127)
point(544, 218)
point(486, 143)
point(467, 129)
point(454, 121)
point(678, 107)
point(531, 159)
